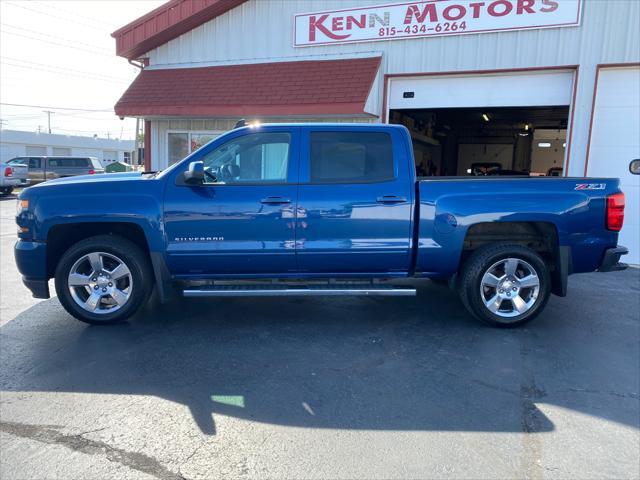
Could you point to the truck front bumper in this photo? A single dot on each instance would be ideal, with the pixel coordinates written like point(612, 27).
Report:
point(31, 259)
point(611, 260)
point(39, 287)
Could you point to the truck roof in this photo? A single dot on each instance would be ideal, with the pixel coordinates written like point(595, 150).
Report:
point(251, 125)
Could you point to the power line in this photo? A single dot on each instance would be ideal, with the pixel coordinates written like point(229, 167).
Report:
point(66, 19)
point(93, 131)
point(90, 45)
point(79, 115)
point(51, 42)
point(21, 118)
point(61, 71)
point(55, 108)
point(64, 69)
point(97, 79)
point(93, 20)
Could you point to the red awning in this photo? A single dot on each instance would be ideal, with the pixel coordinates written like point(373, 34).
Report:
point(327, 87)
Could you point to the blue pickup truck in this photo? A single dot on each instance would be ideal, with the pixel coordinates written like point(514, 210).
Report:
point(313, 209)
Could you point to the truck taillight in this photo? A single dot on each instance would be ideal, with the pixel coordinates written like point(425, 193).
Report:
point(8, 172)
point(615, 212)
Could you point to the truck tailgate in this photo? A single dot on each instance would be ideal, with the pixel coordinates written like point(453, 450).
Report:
point(18, 171)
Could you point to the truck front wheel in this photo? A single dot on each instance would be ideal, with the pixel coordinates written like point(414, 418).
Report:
point(103, 279)
point(504, 285)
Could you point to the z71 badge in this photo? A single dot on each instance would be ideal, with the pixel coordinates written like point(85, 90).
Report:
point(590, 186)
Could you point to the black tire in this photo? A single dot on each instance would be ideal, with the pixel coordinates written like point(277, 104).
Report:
point(473, 270)
point(141, 276)
point(6, 191)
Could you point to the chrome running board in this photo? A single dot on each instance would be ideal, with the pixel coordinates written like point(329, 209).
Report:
point(298, 291)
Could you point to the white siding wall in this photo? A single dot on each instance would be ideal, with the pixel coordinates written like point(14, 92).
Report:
point(13, 143)
point(11, 150)
point(260, 31)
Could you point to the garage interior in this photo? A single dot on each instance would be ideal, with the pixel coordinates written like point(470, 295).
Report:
point(487, 141)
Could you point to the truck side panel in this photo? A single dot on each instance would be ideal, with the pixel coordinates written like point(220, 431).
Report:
point(449, 207)
point(97, 201)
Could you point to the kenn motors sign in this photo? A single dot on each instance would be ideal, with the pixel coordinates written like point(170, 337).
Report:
point(432, 18)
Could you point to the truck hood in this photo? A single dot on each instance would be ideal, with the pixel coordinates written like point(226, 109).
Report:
point(98, 178)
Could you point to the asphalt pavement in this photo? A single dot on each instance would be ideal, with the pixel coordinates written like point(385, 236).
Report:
point(337, 388)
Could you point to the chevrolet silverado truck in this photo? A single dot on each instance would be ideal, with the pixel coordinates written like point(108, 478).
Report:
point(313, 209)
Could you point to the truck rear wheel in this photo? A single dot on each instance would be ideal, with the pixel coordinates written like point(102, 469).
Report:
point(103, 279)
point(505, 285)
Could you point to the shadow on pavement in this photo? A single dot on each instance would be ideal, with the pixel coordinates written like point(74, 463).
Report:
point(347, 363)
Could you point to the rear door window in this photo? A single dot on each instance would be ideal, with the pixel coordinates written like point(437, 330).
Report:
point(351, 157)
point(69, 162)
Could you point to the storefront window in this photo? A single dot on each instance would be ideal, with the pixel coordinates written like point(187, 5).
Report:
point(178, 147)
point(200, 139)
point(181, 144)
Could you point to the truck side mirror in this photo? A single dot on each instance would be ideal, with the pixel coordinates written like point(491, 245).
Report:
point(195, 174)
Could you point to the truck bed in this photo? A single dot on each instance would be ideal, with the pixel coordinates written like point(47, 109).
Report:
point(573, 208)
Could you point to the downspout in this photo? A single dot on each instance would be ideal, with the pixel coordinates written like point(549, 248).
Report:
point(139, 65)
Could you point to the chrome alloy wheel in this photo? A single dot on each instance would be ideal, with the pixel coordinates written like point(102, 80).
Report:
point(100, 282)
point(509, 287)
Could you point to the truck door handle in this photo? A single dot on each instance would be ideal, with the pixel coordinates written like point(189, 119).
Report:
point(391, 199)
point(275, 200)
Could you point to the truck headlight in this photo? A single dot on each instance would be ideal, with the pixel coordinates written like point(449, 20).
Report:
point(21, 206)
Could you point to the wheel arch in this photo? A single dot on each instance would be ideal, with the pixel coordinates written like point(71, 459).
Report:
point(540, 236)
point(61, 237)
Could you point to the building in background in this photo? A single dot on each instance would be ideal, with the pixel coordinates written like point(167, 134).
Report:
point(15, 143)
point(543, 86)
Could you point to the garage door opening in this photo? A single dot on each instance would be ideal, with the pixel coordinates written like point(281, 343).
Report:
point(487, 141)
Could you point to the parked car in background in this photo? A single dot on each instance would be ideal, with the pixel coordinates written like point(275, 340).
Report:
point(11, 176)
point(313, 209)
point(47, 168)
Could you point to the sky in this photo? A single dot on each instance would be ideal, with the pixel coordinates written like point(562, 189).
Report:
point(59, 54)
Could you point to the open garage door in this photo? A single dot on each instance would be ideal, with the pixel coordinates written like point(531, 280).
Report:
point(615, 142)
point(487, 124)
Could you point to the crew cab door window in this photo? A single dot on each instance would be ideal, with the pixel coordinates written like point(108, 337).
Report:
point(255, 158)
point(350, 157)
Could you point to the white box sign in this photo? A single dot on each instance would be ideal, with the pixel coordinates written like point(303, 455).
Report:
point(432, 18)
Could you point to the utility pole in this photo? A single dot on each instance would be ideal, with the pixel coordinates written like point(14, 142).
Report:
point(48, 112)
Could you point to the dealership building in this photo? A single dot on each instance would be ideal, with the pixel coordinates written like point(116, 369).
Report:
point(549, 87)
